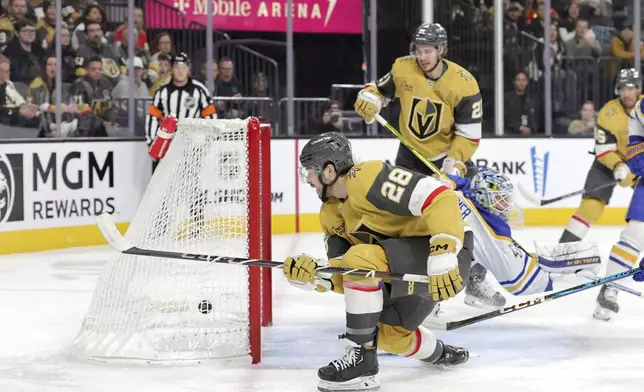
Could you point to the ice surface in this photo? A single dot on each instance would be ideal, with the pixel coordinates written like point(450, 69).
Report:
point(553, 347)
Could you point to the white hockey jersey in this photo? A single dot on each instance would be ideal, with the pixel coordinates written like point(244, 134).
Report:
point(517, 270)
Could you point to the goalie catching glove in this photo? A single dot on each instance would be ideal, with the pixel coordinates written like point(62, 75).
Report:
point(445, 279)
point(161, 143)
point(369, 103)
point(300, 271)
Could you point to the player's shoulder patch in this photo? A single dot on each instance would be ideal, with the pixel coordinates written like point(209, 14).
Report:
point(361, 176)
point(467, 83)
point(607, 114)
point(404, 64)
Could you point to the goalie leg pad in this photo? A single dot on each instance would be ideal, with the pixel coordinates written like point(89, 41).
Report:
point(568, 257)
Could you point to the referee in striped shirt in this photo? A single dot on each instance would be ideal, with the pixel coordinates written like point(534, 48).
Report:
point(181, 97)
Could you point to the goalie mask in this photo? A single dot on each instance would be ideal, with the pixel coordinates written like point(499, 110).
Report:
point(331, 148)
point(494, 192)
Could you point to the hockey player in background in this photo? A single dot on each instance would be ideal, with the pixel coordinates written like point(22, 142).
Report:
point(625, 253)
point(486, 208)
point(379, 217)
point(441, 112)
point(611, 139)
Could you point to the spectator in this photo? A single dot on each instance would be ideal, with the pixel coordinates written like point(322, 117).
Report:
point(122, 49)
point(227, 84)
point(622, 46)
point(568, 23)
point(163, 74)
point(583, 44)
point(602, 25)
point(91, 94)
point(259, 89)
point(162, 44)
point(584, 49)
point(69, 55)
point(14, 110)
point(123, 86)
point(537, 25)
point(203, 76)
point(26, 56)
point(16, 9)
point(585, 124)
point(331, 120)
point(121, 93)
point(46, 27)
point(520, 109)
point(511, 39)
point(95, 46)
point(92, 13)
point(140, 36)
point(42, 93)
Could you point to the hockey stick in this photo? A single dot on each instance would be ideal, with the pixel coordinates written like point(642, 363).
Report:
point(118, 242)
point(450, 325)
point(536, 200)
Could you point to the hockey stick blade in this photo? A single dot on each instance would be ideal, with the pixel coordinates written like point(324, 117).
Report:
point(529, 196)
point(540, 300)
point(111, 233)
point(118, 242)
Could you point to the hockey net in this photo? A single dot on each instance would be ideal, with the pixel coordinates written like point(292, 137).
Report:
point(210, 194)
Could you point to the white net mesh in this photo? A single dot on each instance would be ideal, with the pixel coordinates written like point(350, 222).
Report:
point(172, 310)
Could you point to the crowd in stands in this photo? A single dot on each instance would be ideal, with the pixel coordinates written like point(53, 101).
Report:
point(94, 69)
point(583, 33)
point(590, 41)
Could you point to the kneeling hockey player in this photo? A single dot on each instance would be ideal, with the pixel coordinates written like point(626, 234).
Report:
point(379, 217)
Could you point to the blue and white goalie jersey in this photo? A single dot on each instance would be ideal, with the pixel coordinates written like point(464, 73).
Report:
point(516, 270)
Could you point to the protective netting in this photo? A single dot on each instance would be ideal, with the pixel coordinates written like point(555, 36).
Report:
point(172, 310)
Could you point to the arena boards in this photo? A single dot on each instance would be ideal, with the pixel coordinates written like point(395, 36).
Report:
point(53, 190)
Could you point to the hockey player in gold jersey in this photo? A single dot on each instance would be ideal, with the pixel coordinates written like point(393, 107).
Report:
point(379, 217)
point(611, 140)
point(440, 116)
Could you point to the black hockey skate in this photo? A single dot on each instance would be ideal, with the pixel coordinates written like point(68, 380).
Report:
point(355, 371)
point(479, 292)
point(449, 356)
point(607, 304)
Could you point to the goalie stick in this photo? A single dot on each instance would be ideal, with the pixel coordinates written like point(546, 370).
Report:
point(118, 242)
point(536, 200)
point(451, 325)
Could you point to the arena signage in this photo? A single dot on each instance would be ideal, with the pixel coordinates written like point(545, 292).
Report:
point(309, 16)
point(44, 185)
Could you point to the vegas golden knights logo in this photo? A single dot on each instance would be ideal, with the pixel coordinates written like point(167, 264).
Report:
point(424, 117)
